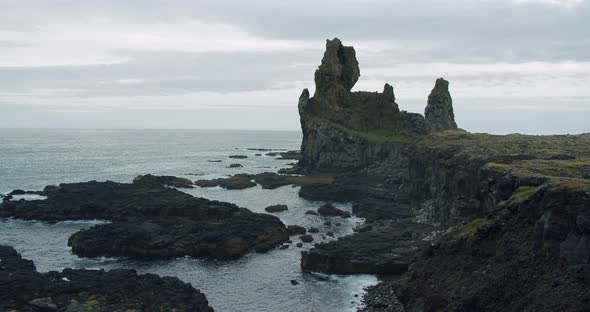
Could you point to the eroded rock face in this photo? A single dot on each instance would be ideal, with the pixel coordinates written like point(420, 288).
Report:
point(22, 288)
point(387, 249)
point(344, 130)
point(439, 113)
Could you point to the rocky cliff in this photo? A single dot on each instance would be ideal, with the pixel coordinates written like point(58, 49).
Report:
point(344, 130)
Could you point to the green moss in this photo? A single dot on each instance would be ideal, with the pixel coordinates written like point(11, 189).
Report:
point(503, 148)
point(468, 230)
point(373, 136)
point(93, 302)
point(523, 193)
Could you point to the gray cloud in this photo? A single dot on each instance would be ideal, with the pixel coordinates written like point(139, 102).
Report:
point(154, 48)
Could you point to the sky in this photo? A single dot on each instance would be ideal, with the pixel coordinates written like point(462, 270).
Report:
point(513, 65)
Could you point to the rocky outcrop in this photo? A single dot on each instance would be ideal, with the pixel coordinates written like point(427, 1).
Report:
point(345, 130)
point(531, 254)
point(446, 181)
point(267, 180)
point(387, 249)
point(516, 207)
point(171, 181)
point(439, 113)
point(151, 221)
point(22, 288)
point(169, 237)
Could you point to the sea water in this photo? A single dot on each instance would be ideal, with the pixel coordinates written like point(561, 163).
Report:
point(32, 159)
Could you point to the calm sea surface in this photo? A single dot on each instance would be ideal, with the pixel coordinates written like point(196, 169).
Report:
point(31, 159)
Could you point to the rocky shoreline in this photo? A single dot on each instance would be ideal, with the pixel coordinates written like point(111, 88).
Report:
point(508, 214)
point(22, 288)
point(151, 220)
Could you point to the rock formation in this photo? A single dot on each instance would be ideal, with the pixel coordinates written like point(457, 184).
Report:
point(439, 111)
point(151, 220)
point(22, 288)
point(350, 130)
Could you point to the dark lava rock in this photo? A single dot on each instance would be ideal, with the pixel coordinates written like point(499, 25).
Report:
point(257, 154)
point(295, 230)
point(215, 161)
point(22, 288)
point(151, 221)
point(235, 166)
point(382, 298)
point(330, 234)
point(339, 126)
point(152, 180)
point(18, 192)
point(329, 210)
point(299, 245)
point(333, 191)
point(306, 238)
point(259, 149)
point(527, 255)
point(294, 155)
point(238, 156)
point(294, 282)
point(228, 238)
point(113, 201)
point(283, 247)
point(374, 209)
point(439, 114)
point(276, 208)
point(236, 182)
point(311, 212)
point(384, 250)
point(43, 304)
point(313, 230)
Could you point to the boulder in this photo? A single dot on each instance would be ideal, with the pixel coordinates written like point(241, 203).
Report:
point(276, 208)
point(306, 238)
point(329, 210)
point(295, 230)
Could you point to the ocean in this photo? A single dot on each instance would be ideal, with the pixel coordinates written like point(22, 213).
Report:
point(33, 158)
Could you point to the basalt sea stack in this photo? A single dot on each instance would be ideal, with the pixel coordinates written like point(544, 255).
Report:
point(345, 130)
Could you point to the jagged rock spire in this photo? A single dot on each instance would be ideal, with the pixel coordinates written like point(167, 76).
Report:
point(439, 113)
point(339, 68)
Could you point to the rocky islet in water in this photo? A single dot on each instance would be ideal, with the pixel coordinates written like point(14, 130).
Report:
point(151, 220)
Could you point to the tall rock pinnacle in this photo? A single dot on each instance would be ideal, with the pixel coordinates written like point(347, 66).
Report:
point(339, 68)
point(439, 113)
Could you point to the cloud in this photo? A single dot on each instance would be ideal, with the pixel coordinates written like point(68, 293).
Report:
point(111, 56)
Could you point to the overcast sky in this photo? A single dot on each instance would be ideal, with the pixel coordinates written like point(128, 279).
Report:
point(514, 65)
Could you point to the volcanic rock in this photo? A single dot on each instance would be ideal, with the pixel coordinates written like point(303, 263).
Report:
point(439, 113)
point(384, 250)
point(22, 288)
point(276, 208)
point(295, 230)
